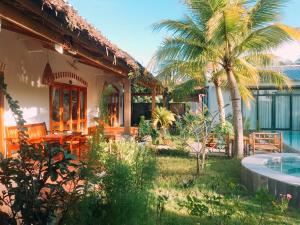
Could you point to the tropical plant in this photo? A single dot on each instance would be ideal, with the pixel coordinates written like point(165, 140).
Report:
point(182, 78)
point(146, 128)
point(194, 131)
point(163, 119)
point(234, 38)
point(41, 183)
point(223, 131)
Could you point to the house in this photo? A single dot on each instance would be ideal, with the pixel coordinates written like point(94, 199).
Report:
point(271, 109)
point(57, 66)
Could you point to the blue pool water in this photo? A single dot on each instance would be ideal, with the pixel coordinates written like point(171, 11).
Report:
point(292, 138)
point(286, 165)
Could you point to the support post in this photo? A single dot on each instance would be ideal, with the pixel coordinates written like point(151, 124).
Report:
point(127, 106)
point(2, 147)
point(153, 105)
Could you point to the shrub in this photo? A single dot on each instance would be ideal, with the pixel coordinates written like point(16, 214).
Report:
point(146, 129)
point(41, 183)
point(118, 191)
point(223, 131)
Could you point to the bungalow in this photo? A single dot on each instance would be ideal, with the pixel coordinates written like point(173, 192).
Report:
point(271, 109)
point(57, 66)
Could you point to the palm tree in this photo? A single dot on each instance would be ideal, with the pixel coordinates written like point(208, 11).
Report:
point(183, 77)
point(234, 36)
point(178, 81)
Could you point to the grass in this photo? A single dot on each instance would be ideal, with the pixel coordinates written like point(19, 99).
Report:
point(177, 179)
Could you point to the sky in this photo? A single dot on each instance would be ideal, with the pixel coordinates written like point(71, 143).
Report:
point(128, 23)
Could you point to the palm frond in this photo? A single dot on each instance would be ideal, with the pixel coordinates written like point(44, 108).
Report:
point(266, 39)
point(186, 28)
point(246, 94)
point(280, 80)
point(185, 89)
point(261, 59)
point(265, 12)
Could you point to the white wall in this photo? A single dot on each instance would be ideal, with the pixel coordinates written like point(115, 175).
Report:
point(25, 60)
point(212, 100)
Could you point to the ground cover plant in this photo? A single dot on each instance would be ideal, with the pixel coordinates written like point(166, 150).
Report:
point(216, 196)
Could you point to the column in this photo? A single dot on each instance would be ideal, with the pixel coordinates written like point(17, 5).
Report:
point(127, 106)
point(153, 106)
point(2, 148)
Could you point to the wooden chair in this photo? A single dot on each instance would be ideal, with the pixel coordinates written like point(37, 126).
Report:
point(213, 140)
point(266, 141)
point(35, 133)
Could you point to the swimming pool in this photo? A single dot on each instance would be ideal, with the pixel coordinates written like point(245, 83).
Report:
point(292, 139)
point(279, 173)
point(285, 165)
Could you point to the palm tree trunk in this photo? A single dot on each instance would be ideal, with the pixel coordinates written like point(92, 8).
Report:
point(165, 98)
point(220, 101)
point(237, 114)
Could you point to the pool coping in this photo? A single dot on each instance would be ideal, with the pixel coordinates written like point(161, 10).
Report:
point(257, 164)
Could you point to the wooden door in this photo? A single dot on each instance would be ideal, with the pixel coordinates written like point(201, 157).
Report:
point(68, 105)
point(113, 109)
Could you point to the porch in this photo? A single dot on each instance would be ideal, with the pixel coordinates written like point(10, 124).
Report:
point(60, 78)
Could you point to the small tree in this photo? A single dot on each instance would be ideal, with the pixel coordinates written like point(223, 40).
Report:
point(195, 131)
point(163, 119)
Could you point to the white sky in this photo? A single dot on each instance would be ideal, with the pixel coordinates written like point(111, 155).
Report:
point(290, 51)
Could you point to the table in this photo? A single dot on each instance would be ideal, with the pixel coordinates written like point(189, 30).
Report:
point(74, 140)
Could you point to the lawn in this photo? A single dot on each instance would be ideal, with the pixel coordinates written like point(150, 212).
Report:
point(221, 178)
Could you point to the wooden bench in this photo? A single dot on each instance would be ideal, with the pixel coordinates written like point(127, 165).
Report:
point(266, 141)
point(35, 133)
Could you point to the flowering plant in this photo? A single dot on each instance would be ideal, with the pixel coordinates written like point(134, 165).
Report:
point(283, 204)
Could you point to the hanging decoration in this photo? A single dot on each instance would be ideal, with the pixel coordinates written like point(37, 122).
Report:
point(48, 77)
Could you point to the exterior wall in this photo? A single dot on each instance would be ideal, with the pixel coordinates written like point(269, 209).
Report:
point(247, 110)
point(25, 60)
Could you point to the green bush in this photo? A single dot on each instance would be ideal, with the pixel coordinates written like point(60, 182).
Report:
point(118, 190)
point(146, 129)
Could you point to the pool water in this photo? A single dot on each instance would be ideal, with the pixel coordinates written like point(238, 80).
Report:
point(285, 165)
point(292, 138)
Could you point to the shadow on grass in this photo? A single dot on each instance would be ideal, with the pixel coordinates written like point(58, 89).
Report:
point(173, 152)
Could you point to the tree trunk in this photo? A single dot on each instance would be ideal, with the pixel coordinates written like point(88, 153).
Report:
point(166, 99)
point(237, 114)
point(203, 155)
point(220, 101)
point(198, 163)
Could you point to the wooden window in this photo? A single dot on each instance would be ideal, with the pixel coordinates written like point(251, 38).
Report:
point(68, 104)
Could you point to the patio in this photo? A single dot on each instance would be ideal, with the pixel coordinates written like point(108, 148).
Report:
point(60, 77)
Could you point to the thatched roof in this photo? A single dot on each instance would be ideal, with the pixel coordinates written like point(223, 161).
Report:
point(56, 21)
point(76, 22)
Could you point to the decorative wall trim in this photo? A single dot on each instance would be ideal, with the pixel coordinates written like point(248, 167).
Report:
point(70, 75)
